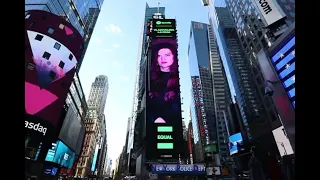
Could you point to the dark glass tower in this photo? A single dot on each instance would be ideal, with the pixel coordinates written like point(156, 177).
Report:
point(210, 95)
point(135, 137)
point(82, 14)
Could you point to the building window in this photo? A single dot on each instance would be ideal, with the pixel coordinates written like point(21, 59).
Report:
point(292, 14)
point(287, 7)
point(57, 46)
point(50, 30)
point(38, 37)
point(46, 55)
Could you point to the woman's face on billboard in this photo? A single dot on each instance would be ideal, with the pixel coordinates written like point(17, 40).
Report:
point(165, 59)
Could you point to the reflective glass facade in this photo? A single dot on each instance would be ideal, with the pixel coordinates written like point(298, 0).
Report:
point(239, 39)
point(76, 99)
point(141, 69)
point(254, 37)
point(199, 64)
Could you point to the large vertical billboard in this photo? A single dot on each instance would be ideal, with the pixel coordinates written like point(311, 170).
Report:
point(283, 61)
point(164, 120)
point(52, 49)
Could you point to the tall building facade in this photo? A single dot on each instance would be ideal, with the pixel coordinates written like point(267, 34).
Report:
point(98, 94)
point(251, 27)
point(140, 79)
point(210, 94)
point(95, 126)
point(82, 14)
point(103, 147)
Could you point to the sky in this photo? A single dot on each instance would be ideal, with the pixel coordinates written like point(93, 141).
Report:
point(113, 51)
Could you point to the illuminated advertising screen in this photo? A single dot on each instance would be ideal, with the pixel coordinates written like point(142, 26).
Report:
point(191, 169)
point(164, 28)
point(283, 61)
point(94, 160)
point(199, 107)
point(51, 170)
point(282, 141)
point(163, 110)
point(61, 154)
point(52, 50)
point(235, 143)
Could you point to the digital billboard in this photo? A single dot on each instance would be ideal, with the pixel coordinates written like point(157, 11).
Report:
point(235, 143)
point(191, 169)
point(50, 170)
point(163, 110)
point(52, 49)
point(70, 129)
point(95, 157)
point(283, 61)
point(164, 28)
point(61, 154)
point(282, 141)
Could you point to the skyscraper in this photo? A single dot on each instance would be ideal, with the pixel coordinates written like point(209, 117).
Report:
point(244, 28)
point(82, 14)
point(140, 76)
point(98, 94)
point(95, 136)
point(253, 31)
point(210, 93)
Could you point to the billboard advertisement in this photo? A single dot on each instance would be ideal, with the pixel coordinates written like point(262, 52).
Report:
point(235, 143)
point(70, 129)
point(282, 141)
point(278, 67)
point(50, 170)
point(270, 11)
point(95, 157)
point(50, 62)
point(283, 61)
point(61, 154)
point(191, 169)
point(163, 110)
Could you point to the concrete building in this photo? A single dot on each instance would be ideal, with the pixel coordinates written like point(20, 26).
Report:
point(95, 127)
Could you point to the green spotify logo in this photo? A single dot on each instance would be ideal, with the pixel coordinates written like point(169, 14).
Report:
point(163, 22)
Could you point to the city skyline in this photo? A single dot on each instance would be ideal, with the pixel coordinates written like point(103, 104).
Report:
point(113, 51)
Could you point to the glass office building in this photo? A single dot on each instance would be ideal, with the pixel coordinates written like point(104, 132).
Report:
point(82, 14)
point(140, 83)
point(210, 92)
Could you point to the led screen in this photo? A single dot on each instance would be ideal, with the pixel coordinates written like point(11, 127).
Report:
point(50, 62)
point(61, 154)
point(164, 121)
point(95, 157)
point(234, 142)
point(51, 170)
point(283, 61)
point(282, 141)
point(70, 129)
